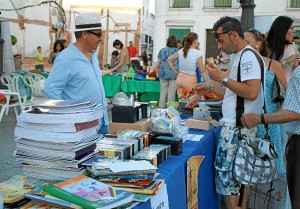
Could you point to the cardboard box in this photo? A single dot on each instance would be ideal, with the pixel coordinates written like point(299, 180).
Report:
point(144, 124)
point(201, 123)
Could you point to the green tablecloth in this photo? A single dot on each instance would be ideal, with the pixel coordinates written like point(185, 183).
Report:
point(147, 90)
point(112, 84)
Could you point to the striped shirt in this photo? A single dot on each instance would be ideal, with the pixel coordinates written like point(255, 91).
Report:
point(292, 100)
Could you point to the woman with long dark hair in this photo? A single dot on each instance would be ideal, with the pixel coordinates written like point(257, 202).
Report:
point(58, 46)
point(280, 43)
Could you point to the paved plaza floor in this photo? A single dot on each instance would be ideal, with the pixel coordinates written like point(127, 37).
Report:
point(8, 164)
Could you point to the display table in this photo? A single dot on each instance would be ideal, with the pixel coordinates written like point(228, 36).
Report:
point(146, 90)
point(174, 172)
point(112, 84)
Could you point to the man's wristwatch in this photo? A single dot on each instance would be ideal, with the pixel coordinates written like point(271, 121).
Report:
point(224, 81)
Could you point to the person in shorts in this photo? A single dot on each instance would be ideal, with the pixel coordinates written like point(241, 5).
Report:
point(229, 35)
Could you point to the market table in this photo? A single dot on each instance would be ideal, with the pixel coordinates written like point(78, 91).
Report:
point(146, 90)
point(174, 172)
point(112, 84)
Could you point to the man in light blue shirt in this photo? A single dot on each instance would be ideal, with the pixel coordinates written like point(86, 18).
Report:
point(75, 74)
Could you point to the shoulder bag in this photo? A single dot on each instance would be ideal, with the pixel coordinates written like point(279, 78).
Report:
point(254, 161)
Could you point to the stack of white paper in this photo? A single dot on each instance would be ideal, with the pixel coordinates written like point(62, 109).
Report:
point(54, 137)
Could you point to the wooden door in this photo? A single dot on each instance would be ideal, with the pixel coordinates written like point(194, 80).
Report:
point(211, 45)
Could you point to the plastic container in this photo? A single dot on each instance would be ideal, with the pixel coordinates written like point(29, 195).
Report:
point(153, 104)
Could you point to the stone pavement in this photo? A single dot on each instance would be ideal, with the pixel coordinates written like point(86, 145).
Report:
point(8, 164)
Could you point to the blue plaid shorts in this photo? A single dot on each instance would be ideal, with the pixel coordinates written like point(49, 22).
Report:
point(227, 145)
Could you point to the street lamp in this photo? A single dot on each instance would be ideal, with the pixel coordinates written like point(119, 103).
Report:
point(247, 18)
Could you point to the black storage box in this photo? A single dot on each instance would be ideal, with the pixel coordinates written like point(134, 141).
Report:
point(145, 109)
point(154, 134)
point(126, 114)
point(175, 142)
point(215, 114)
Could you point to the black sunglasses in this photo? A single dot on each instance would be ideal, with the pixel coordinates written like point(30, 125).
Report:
point(216, 35)
point(96, 34)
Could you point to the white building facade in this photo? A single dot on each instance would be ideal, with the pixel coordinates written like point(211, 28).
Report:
point(40, 24)
point(178, 17)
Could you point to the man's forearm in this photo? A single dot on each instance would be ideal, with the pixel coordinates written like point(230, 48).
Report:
point(282, 116)
point(248, 89)
point(217, 88)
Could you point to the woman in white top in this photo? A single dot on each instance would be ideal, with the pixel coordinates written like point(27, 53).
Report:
point(190, 57)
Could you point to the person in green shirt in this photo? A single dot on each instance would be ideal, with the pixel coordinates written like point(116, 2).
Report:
point(39, 59)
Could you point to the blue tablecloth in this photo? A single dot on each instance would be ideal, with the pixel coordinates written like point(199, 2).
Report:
point(174, 171)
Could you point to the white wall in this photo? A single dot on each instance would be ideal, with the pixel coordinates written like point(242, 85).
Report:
point(35, 35)
point(202, 18)
point(194, 17)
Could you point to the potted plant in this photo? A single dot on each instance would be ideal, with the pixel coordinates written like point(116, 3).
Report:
point(14, 40)
point(17, 57)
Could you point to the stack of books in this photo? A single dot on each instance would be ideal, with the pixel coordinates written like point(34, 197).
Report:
point(54, 137)
point(77, 193)
point(89, 193)
point(138, 177)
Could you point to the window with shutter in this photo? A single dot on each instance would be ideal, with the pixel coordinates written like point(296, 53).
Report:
point(223, 3)
point(179, 31)
point(295, 3)
point(181, 4)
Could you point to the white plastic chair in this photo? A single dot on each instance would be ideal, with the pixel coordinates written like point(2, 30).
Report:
point(14, 83)
point(36, 83)
point(5, 107)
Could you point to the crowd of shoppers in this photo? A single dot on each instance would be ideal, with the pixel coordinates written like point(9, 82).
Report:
point(177, 65)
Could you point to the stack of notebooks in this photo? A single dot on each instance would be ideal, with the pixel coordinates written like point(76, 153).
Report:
point(54, 137)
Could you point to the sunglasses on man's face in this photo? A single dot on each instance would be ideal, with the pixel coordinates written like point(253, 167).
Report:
point(216, 35)
point(94, 33)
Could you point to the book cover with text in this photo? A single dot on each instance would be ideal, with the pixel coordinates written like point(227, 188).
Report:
point(89, 193)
